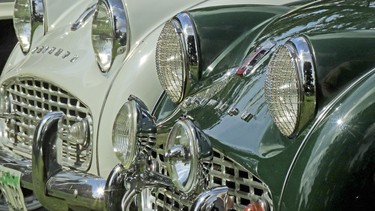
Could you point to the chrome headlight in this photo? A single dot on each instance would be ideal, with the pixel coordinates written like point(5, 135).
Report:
point(133, 126)
point(177, 56)
point(124, 133)
point(109, 32)
point(188, 156)
point(28, 16)
point(290, 88)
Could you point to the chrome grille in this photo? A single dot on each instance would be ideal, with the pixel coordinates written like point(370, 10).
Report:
point(30, 100)
point(243, 186)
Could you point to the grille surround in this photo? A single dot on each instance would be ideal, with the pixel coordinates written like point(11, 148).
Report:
point(31, 99)
point(244, 186)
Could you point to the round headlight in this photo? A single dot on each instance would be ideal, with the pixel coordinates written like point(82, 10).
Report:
point(28, 15)
point(109, 32)
point(182, 158)
point(290, 86)
point(177, 56)
point(124, 133)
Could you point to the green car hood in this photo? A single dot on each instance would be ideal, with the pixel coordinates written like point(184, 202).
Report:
point(231, 109)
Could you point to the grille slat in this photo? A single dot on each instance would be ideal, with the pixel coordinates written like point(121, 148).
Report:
point(31, 99)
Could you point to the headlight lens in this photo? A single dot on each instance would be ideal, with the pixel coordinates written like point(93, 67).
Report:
point(109, 32)
point(28, 15)
point(290, 86)
point(177, 56)
point(124, 133)
point(182, 158)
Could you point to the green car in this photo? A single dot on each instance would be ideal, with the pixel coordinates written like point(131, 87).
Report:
point(265, 108)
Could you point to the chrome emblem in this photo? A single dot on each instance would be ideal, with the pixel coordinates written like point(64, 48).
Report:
point(57, 52)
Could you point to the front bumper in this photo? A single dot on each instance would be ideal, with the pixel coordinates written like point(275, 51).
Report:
point(58, 188)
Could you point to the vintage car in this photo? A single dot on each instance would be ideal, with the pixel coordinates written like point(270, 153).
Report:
point(66, 60)
point(63, 87)
point(267, 109)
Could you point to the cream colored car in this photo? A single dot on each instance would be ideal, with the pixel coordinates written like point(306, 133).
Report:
point(62, 88)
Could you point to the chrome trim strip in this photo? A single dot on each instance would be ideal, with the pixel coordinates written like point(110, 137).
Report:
point(186, 29)
point(304, 60)
point(37, 14)
point(83, 18)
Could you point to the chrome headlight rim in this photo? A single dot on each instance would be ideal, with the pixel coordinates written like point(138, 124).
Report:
point(36, 18)
point(301, 55)
point(126, 156)
point(142, 130)
point(184, 28)
point(120, 31)
point(192, 179)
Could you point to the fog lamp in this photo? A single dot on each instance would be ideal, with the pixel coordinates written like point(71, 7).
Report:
point(28, 15)
point(79, 132)
point(133, 127)
point(188, 156)
point(124, 133)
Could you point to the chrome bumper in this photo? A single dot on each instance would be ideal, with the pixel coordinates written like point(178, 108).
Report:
point(57, 188)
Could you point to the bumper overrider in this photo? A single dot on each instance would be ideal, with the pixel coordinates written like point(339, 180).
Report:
point(57, 188)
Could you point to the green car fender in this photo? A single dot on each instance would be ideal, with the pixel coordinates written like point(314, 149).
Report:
point(335, 165)
point(218, 27)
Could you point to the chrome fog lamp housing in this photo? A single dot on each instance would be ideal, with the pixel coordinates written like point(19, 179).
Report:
point(27, 17)
point(109, 32)
point(131, 123)
point(124, 133)
point(188, 156)
point(177, 56)
point(290, 87)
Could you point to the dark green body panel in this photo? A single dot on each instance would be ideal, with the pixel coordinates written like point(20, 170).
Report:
point(341, 35)
point(218, 27)
point(336, 167)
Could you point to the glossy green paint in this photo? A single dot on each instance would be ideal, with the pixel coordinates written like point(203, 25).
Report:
point(218, 27)
point(336, 167)
point(338, 32)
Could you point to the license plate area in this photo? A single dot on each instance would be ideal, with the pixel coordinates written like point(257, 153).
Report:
point(10, 186)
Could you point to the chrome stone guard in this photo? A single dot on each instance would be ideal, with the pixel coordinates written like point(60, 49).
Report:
point(55, 187)
point(143, 174)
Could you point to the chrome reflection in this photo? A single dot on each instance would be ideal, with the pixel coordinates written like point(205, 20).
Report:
point(214, 199)
point(28, 16)
point(110, 32)
point(83, 18)
point(186, 29)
